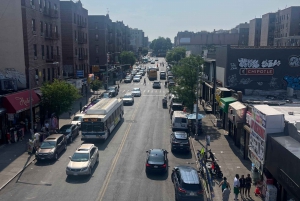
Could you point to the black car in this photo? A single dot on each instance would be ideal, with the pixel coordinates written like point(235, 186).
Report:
point(157, 160)
point(113, 90)
point(180, 141)
point(187, 183)
point(106, 94)
point(156, 85)
point(70, 131)
point(162, 75)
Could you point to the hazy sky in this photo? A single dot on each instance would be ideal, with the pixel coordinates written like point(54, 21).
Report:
point(166, 17)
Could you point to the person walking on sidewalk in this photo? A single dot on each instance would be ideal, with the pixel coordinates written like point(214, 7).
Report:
point(144, 81)
point(248, 182)
point(225, 193)
point(242, 185)
point(224, 184)
point(236, 186)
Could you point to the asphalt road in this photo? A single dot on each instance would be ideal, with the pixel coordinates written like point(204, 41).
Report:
point(120, 174)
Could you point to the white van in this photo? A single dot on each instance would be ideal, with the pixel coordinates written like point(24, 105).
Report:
point(179, 121)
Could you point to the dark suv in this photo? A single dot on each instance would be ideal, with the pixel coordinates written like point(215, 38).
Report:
point(180, 141)
point(187, 183)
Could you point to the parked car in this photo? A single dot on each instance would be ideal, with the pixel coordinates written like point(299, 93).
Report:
point(70, 131)
point(136, 78)
point(128, 99)
point(107, 94)
point(128, 79)
point(77, 119)
point(156, 161)
point(156, 85)
point(171, 83)
point(51, 147)
point(143, 72)
point(139, 74)
point(114, 90)
point(156, 59)
point(133, 72)
point(162, 75)
point(136, 92)
point(187, 183)
point(83, 160)
point(179, 141)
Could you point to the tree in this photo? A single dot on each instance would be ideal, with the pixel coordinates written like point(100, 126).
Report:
point(96, 85)
point(185, 74)
point(59, 96)
point(144, 51)
point(160, 46)
point(127, 58)
point(176, 54)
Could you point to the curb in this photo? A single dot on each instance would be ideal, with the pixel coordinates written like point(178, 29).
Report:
point(197, 163)
point(2, 187)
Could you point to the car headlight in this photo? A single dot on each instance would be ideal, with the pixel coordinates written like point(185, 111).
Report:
point(84, 169)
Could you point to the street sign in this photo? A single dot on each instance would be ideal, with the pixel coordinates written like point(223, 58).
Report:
point(80, 73)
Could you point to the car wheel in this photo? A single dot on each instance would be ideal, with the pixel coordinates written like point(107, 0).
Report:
point(97, 159)
point(56, 156)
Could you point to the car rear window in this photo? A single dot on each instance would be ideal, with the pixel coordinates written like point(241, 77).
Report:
point(191, 187)
point(180, 120)
point(177, 107)
point(156, 158)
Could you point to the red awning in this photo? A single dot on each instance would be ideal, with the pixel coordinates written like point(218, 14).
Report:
point(20, 101)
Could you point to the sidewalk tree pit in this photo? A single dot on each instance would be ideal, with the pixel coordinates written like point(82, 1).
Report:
point(59, 96)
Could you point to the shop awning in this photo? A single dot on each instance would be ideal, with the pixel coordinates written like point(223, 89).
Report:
point(237, 105)
point(224, 103)
point(20, 101)
point(38, 92)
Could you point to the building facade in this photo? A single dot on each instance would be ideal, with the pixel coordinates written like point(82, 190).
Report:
point(136, 39)
point(75, 46)
point(254, 32)
point(42, 40)
point(267, 29)
point(243, 31)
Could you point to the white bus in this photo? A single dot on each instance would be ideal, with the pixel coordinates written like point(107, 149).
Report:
point(101, 119)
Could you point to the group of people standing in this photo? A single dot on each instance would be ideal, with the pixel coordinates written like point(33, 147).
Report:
point(240, 186)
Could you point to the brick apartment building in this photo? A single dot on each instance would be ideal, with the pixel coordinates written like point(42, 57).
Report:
point(42, 40)
point(267, 29)
point(75, 46)
point(254, 32)
point(287, 27)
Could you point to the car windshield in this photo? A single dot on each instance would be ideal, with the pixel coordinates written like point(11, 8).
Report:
point(105, 95)
point(127, 96)
point(77, 118)
point(48, 145)
point(65, 129)
point(128, 77)
point(80, 157)
point(136, 89)
point(137, 77)
point(156, 158)
point(111, 88)
point(155, 82)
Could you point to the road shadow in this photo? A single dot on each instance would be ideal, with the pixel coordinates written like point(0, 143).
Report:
point(48, 162)
point(158, 176)
point(81, 178)
point(102, 144)
point(182, 155)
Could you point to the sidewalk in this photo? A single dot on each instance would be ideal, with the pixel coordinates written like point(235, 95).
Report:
point(14, 157)
point(227, 154)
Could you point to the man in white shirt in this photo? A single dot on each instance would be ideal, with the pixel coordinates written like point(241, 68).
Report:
point(236, 186)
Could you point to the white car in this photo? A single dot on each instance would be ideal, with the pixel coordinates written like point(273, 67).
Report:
point(77, 120)
point(136, 92)
point(136, 78)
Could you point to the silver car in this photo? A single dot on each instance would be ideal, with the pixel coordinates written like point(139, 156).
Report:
point(128, 99)
point(83, 160)
point(136, 92)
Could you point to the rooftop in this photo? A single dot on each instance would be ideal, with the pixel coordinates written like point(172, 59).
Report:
point(291, 114)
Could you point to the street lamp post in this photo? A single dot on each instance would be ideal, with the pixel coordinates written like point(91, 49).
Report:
point(30, 90)
point(197, 100)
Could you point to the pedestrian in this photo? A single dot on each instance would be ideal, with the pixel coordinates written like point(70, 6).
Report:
point(224, 183)
point(248, 182)
point(144, 81)
point(8, 137)
point(118, 87)
point(225, 193)
point(47, 126)
point(242, 185)
point(236, 186)
point(37, 139)
point(35, 127)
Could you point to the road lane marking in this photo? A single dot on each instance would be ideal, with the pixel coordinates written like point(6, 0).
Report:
point(115, 160)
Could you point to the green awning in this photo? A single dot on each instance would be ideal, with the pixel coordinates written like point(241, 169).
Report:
point(224, 103)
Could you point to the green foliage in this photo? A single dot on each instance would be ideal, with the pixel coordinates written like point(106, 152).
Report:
point(96, 85)
point(161, 45)
point(176, 54)
point(127, 57)
point(185, 74)
point(144, 51)
point(59, 96)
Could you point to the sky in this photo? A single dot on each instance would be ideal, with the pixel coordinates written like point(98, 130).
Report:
point(166, 18)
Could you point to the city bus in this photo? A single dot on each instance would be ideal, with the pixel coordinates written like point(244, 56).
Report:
point(152, 74)
point(101, 119)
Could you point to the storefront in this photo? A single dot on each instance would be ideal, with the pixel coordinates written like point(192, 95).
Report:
point(17, 107)
point(264, 120)
point(283, 162)
point(237, 118)
point(2, 125)
point(224, 105)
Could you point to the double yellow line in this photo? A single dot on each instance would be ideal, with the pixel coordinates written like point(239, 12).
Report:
point(115, 160)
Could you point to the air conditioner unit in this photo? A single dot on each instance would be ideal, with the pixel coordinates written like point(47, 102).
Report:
point(33, 6)
point(34, 32)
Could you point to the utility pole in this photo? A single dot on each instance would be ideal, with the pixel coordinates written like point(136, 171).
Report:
point(214, 88)
point(197, 107)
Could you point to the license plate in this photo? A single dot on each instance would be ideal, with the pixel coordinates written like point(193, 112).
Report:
point(155, 166)
point(192, 194)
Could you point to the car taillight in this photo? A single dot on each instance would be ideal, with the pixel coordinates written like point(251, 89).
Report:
point(181, 190)
point(164, 165)
point(200, 192)
point(147, 164)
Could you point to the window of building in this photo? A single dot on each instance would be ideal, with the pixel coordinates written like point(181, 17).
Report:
point(49, 4)
point(44, 74)
point(33, 24)
point(50, 29)
point(97, 60)
point(97, 36)
point(34, 51)
point(76, 51)
point(32, 2)
point(56, 29)
point(75, 34)
point(47, 51)
point(55, 7)
point(74, 18)
point(96, 25)
point(48, 74)
point(78, 19)
point(42, 27)
point(97, 49)
point(41, 3)
point(43, 51)
point(46, 26)
point(57, 50)
point(53, 76)
point(51, 52)
point(36, 75)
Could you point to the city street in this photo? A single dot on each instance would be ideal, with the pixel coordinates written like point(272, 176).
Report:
point(120, 174)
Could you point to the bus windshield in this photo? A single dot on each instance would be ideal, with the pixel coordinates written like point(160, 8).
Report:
point(92, 127)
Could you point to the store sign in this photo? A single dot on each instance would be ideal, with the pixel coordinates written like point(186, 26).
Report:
point(257, 146)
point(294, 61)
point(258, 129)
point(23, 101)
point(254, 67)
point(254, 160)
point(248, 117)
